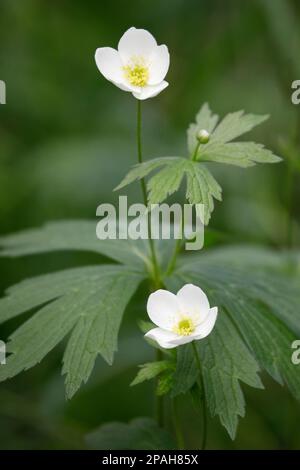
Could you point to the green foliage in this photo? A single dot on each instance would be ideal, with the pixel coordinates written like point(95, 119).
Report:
point(202, 188)
point(220, 148)
point(139, 434)
point(243, 154)
point(141, 170)
point(186, 371)
point(205, 119)
point(69, 235)
point(258, 321)
point(87, 303)
point(151, 370)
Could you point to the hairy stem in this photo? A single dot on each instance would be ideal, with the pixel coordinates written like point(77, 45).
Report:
point(202, 391)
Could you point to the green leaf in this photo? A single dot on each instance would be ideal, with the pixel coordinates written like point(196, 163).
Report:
point(201, 185)
point(186, 371)
point(258, 320)
point(218, 149)
point(225, 361)
point(243, 154)
point(166, 182)
point(139, 434)
point(87, 302)
point(151, 370)
point(141, 170)
point(165, 382)
point(205, 119)
point(202, 188)
point(70, 235)
point(235, 124)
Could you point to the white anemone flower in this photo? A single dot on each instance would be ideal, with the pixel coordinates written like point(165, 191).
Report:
point(138, 66)
point(180, 318)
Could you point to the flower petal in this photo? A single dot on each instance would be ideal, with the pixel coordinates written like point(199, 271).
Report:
point(150, 91)
point(162, 308)
point(163, 337)
point(109, 63)
point(193, 301)
point(159, 64)
point(136, 43)
point(206, 327)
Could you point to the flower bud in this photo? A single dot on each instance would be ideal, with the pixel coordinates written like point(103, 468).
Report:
point(203, 136)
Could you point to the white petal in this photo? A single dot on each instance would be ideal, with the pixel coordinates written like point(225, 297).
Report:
point(193, 302)
point(150, 91)
point(158, 65)
point(165, 339)
point(163, 309)
point(136, 43)
point(206, 327)
point(109, 63)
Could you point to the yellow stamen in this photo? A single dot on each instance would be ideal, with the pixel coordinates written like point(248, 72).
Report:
point(137, 73)
point(185, 327)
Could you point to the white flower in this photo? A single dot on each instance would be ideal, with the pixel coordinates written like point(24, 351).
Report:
point(139, 65)
point(180, 318)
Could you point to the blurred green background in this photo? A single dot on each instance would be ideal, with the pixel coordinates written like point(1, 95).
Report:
point(66, 140)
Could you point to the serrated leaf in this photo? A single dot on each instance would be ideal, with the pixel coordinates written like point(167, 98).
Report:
point(165, 383)
point(186, 371)
point(243, 154)
point(202, 188)
point(151, 370)
point(205, 119)
point(235, 124)
point(70, 235)
point(166, 182)
point(91, 300)
point(141, 170)
point(139, 434)
point(225, 361)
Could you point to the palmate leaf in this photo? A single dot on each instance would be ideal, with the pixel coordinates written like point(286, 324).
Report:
point(258, 321)
point(87, 302)
point(139, 434)
point(220, 149)
point(201, 186)
point(70, 235)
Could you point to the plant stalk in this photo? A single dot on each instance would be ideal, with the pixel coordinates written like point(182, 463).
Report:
point(155, 266)
point(156, 271)
point(202, 391)
point(178, 431)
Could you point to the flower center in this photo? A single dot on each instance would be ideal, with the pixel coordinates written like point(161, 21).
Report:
point(184, 327)
point(136, 72)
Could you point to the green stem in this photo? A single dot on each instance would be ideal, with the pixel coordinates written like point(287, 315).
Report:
point(178, 432)
point(194, 155)
point(172, 262)
point(156, 272)
point(202, 391)
point(155, 266)
point(159, 405)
